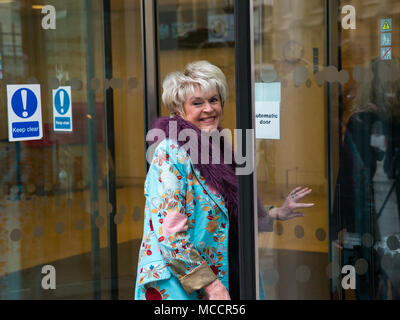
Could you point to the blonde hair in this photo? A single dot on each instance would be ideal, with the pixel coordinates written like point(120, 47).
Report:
point(178, 86)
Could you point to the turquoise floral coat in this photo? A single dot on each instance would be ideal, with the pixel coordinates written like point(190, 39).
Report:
point(185, 236)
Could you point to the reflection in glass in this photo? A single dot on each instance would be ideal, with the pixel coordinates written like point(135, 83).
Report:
point(199, 30)
point(366, 212)
point(43, 182)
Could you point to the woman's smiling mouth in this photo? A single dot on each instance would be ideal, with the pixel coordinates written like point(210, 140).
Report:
point(208, 120)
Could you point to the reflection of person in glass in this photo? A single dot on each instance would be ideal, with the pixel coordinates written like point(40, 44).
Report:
point(368, 131)
point(190, 206)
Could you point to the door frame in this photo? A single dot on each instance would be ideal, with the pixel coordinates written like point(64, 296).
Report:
point(246, 258)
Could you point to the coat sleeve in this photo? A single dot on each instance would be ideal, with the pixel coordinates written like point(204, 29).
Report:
point(265, 222)
point(169, 221)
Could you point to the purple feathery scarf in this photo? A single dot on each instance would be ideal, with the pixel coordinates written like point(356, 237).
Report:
point(221, 176)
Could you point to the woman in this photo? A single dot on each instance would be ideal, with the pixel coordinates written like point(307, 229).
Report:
point(189, 205)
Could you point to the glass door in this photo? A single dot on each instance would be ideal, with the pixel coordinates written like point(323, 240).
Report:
point(326, 114)
point(365, 214)
point(291, 149)
point(63, 197)
point(52, 188)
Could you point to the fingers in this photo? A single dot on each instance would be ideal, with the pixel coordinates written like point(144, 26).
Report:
point(299, 191)
point(304, 205)
point(302, 193)
point(294, 190)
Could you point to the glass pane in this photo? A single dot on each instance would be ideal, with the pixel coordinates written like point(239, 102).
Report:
point(367, 196)
point(129, 137)
point(291, 145)
point(199, 30)
point(53, 193)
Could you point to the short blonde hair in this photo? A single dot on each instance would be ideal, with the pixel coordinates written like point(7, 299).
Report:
point(177, 86)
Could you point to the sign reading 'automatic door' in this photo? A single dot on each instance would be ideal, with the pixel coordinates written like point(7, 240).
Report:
point(268, 110)
point(62, 109)
point(24, 112)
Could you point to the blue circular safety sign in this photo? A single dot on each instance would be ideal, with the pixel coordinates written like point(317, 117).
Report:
point(24, 103)
point(62, 101)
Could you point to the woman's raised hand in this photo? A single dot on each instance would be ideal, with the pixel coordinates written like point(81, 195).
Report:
point(291, 206)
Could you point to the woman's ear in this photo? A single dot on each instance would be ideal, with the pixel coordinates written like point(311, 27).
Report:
point(180, 113)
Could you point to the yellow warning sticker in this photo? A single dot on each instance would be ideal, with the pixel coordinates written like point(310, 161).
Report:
point(386, 25)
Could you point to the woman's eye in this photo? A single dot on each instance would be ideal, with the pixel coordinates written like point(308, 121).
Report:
point(197, 103)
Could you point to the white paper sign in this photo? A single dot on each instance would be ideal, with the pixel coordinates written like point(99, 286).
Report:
point(268, 120)
point(268, 110)
point(24, 110)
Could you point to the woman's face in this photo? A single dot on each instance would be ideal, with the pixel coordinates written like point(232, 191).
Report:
point(204, 110)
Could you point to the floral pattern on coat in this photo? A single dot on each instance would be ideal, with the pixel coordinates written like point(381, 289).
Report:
point(186, 227)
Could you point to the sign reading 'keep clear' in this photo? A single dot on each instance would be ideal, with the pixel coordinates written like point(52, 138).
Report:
point(62, 109)
point(24, 112)
point(268, 110)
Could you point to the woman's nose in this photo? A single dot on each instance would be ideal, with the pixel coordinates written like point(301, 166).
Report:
point(207, 107)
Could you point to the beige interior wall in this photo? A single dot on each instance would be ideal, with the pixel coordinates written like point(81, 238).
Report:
point(298, 158)
point(128, 117)
point(128, 102)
